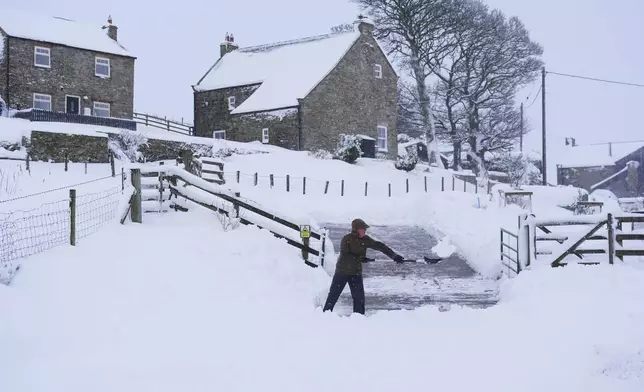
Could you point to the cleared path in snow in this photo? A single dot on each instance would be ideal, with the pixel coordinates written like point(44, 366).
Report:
point(389, 286)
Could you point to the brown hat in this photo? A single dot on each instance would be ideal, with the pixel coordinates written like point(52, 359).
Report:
point(359, 224)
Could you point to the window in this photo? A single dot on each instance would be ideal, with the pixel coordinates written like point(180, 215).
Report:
point(42, 102)
point(377, 71)
point(42, 57)
point(382, 138)
point(265, 135)
point(102, 67)
point(101, 109)
point(219, 135)
point(231, 103)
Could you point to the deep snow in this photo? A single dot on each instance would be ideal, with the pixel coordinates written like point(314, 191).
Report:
point(178, 304)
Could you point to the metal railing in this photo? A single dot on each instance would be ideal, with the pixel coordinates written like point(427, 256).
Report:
point(39, 115)
point(164, 123)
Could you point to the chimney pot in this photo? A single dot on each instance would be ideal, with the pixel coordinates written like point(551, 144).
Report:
point(228, 46)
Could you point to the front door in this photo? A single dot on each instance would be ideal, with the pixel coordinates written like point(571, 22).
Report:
point(72, 105)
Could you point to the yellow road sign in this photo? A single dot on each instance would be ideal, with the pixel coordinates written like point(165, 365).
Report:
point(305, 231)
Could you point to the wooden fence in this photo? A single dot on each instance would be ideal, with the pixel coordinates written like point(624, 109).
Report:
point(589, 240)
point(303, 185)
point(165, 182)
point(164, 123)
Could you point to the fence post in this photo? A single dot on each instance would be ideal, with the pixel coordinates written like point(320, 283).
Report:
point(272, 181)
point(27, 163)
point(464, 186)
point(236, 206)
point(112, 164)
point(122, 179)
point(326, 187)
point(342, 188)
point(255, 179)
point(305, 252)
point(425, 184)
point(304, 185)
point(524, 241)
point(288, 183)
point(160, 188)
point(407, 185)
point(366, 185)
point(66, 162)
point(85, 167)
point(442, 184)
point(453, 183)
point(238, 174)
point(137, 215)
point(389, 189)
point(72, 217)
point(611, 239)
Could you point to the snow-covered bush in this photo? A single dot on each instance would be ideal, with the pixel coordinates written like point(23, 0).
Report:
point(127, 145)
point(407, 162)
point(321, 154)
point(349, 149)
point(520, 169)
point(403, 138)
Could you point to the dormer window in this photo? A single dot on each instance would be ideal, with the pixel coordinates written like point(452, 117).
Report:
point(377, 71)
point(42, 57)
point(231, 103)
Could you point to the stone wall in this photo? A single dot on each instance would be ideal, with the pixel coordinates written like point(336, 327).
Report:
point(71, 73)
point(283, 129)
point(3, 64)
point(155, 149)
point(352, 100)
point(46, 146)
point(211, 108)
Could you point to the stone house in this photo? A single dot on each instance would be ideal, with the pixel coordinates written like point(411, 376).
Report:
point(60, 65)
point(301, 94)
point(617, 167)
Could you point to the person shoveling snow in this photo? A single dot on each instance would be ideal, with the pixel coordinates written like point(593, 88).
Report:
point(349, 266)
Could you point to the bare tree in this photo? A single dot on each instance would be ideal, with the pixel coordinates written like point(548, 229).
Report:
point(414, 30)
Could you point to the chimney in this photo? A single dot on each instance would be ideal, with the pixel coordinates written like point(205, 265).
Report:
point(111, 29)
point(365, 26)
point(228, 45)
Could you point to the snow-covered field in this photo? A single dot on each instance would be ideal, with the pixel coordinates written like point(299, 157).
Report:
point(177, 303)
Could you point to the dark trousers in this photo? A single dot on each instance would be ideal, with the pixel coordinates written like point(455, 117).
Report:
point(337, 285)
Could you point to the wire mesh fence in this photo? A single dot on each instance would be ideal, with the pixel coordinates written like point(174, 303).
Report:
point(26, 233)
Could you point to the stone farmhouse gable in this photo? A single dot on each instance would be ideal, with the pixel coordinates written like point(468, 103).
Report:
point(58, 64)
point(300, 94)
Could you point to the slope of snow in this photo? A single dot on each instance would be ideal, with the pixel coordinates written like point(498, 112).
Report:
point(178, 304)
point(272, 66)
point(58, 30)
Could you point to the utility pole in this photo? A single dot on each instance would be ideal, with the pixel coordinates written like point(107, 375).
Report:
point(521, 137)
point(544, 166)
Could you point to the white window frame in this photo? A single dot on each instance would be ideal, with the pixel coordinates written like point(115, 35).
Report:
point(231, 102)
point(219, 132)
point(385, 139)
point(37, 97)
point(377, 71)
point(79, 102)
point(106, 104)
point(42, 53)
point(102, 61)
point(265, 136)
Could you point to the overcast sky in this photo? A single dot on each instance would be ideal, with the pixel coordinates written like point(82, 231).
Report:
point(177, 42)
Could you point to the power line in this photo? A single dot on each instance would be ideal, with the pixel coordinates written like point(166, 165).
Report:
point(535, 98)
point(597, 79)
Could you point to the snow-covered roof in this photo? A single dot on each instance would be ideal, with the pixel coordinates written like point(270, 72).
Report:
point(286, 70)
point(597, 155)
point(58, 30)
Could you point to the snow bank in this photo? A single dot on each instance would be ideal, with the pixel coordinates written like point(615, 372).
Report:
point(178, 304)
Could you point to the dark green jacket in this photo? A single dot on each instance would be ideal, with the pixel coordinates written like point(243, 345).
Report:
point(353, 251)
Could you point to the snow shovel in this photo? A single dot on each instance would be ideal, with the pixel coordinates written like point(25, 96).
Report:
point(428, 260)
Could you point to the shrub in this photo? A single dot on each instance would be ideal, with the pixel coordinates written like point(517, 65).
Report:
point(321, 154)
point(349, 149)
point(407, 162)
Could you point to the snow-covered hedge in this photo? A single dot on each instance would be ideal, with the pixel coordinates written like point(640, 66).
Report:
point(407, 162)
